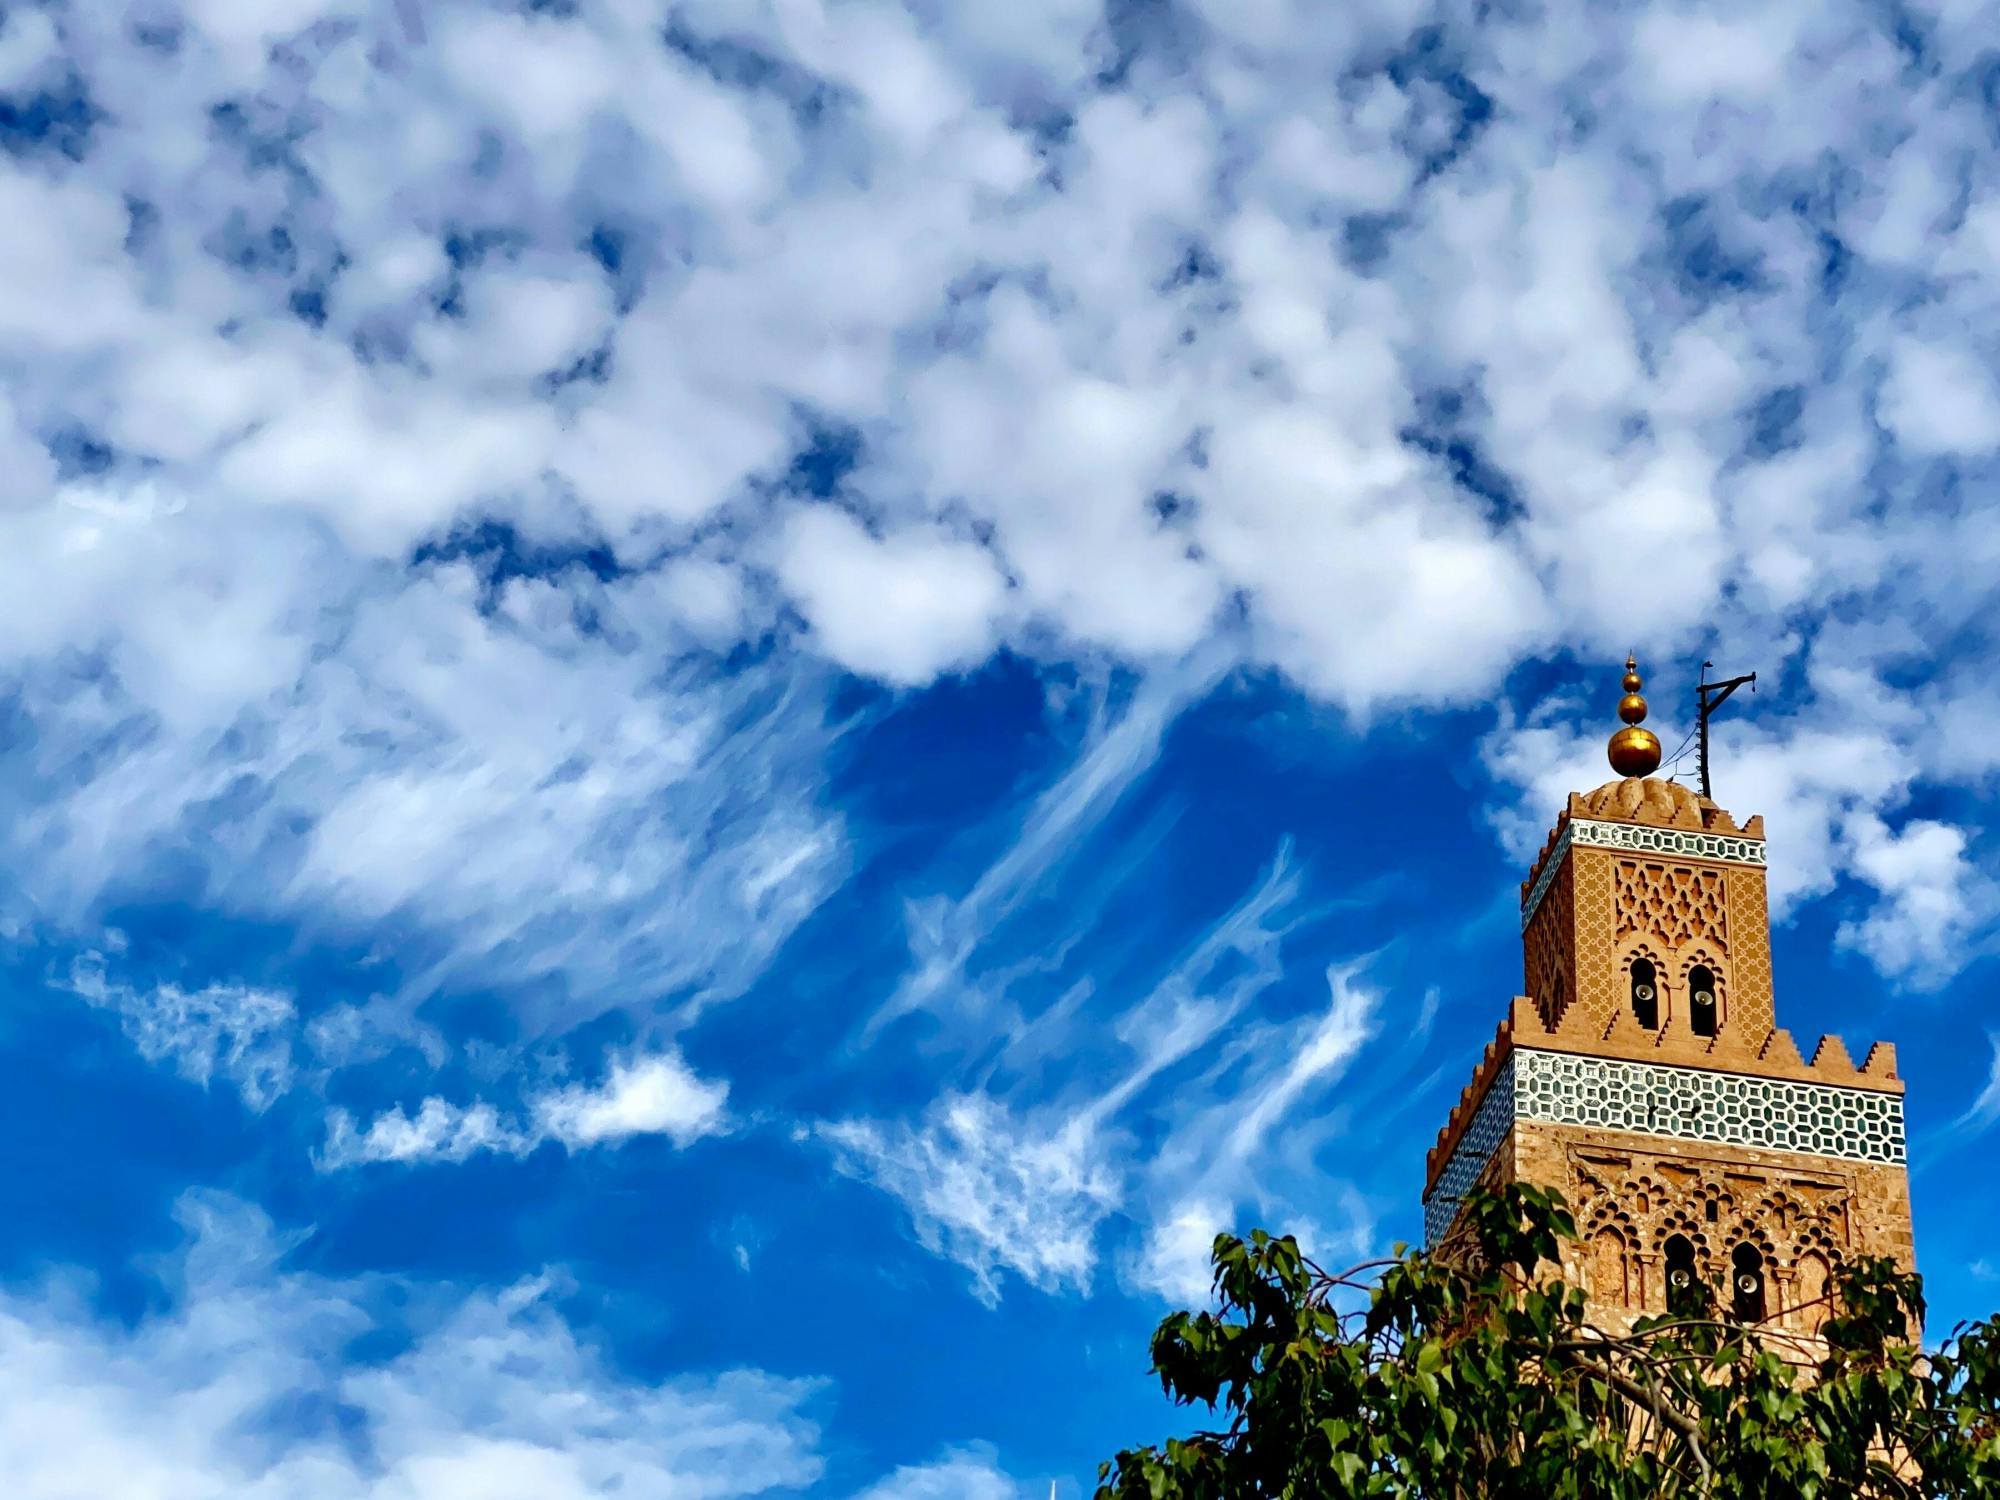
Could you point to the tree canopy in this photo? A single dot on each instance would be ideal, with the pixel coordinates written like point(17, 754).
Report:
point(1478, 1373)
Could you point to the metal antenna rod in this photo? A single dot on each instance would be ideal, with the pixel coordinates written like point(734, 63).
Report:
point(1711, 696)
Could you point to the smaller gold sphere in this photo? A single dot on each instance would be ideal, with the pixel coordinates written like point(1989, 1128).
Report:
point(1634, 751)
point(1633, 682)
point(1631, 708)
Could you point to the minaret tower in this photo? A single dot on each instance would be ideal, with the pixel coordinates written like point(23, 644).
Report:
point(1644, 1073)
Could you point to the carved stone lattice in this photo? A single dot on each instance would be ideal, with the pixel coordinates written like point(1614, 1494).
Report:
point(1753, 1010)
point(1596, 975)
point(1677, 904)
point(1627, 1214)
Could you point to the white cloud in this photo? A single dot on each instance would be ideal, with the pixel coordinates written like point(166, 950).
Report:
point(903, 607)
point(945, 935)
point(1940, 399)
point(27, 473)
point(1112, 389)
point(970, 1474)
point(1174, 1261)
point(529, 787)
point(28, 42)
point(657, 1095)
point(988, 1189)
point(1827, 783)
point(439, 1131)
point(516, 325)
point(1933, 904)
point(243, 1387)
point(1220, 1155)
point(1977, 1118)
point(650, 1095)
point(1178, 1129)
point(241, 1033)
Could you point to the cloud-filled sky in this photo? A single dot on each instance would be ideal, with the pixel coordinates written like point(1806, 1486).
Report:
point(717, 716)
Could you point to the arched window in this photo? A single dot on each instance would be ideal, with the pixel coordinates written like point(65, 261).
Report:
point(1701, 1000)
point(1812, 1280)
point(1607, 1268)
point(1683, 1293)
point(1645, 994)
point(1747, 1284)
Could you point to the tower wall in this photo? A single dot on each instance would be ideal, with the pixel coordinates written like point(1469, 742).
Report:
point(1700, 1136)
point(1607, 893)
point(1804, 1213)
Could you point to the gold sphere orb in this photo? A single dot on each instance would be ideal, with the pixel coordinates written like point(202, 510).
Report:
point(1634, 751)
point(1632, 682)
point(1631, 708)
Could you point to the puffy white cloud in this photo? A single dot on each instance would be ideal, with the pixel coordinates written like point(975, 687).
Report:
point(1940, 399)
point(903, 607)
point(657, 1095)
point(439, 1131)
point(1934, 901)
point(1174, 1260)
point(28, 43)
point(1059, 340)
point(516, 324)
point(969, 1474)
point(1390, 358)
point(243, 1386)
point(646, 1095)
point(1366, 587)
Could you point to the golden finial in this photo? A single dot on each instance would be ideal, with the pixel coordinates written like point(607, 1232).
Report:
point(1633, 751)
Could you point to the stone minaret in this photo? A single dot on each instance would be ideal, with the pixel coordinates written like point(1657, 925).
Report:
point(1645, 1075)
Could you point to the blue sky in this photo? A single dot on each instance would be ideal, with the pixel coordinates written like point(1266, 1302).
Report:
point(717, 718)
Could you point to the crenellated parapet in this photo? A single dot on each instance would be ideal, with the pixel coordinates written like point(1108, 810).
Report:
point(1777, 1057)
point(1456, 1123)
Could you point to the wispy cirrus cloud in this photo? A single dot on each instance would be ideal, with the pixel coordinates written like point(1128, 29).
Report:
point(989, 1190)
point(1171, 1128)
point(1975, 1120)
point(1220, 1156)
point(239, 1033)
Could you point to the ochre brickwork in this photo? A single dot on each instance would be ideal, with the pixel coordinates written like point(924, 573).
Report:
point(1754, 1009)
point(1604, 908)
point(1804, 1215)
point(1549, 973)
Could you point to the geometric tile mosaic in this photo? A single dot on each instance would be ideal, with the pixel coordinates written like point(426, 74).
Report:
point(1690, 1104)
point(1693, 1104)
point(1643, 839)
point(1490, 1124)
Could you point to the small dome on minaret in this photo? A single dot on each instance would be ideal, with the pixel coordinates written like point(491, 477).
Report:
point(1633, 751)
